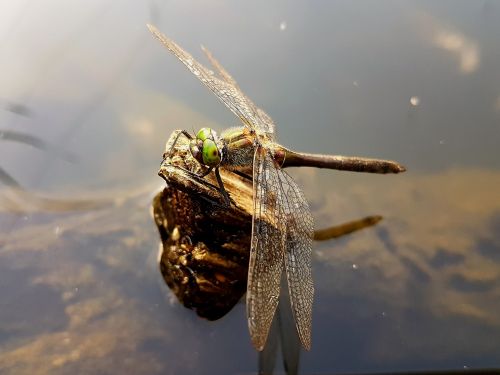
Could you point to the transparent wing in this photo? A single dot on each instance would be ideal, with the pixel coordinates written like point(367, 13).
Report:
point(220, 69)
point(267, 249)
point(282, 232)
point(298, 255)
point(226, 89)
point(266, 123)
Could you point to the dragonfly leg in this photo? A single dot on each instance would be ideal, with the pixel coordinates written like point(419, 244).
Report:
point(243, 175)
point(200, 179)
point(171, 149)
point(223, 191)
point(203, 174)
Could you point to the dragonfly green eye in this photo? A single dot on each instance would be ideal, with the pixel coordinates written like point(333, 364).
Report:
point(211, 155)
point(204, 133)
point(195, 148)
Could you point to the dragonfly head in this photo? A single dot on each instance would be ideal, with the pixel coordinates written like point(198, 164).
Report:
point(204, 148)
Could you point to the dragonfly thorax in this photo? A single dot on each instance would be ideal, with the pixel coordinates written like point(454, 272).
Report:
point(204, 148)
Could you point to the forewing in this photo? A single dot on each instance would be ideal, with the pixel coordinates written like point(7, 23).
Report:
point(265, 123)
point(220, 69)
point(226, 89)
point(298, 254)
point(267, 249)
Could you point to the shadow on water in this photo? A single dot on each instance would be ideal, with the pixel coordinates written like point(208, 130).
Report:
point(36, 142)
point(489, 247)
point(18, 294)
point(445, 258)
point(18, 109)
point(17, 199)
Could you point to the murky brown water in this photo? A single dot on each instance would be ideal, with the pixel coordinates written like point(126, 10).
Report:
point(414, 82)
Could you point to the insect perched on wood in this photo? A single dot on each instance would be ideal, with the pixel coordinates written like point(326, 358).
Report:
point(282, 224)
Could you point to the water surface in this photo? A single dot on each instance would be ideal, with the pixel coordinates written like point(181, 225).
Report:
point(417, 82)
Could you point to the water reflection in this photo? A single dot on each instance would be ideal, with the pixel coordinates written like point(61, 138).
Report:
point(465, 49)
point(36, 142)
point(17, 108)
point(16, 199)
point(440, 279)
point(91, 285)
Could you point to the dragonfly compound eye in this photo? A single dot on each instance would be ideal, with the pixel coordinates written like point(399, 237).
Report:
point(205, 133)
point(195, 149)
point(211, 155)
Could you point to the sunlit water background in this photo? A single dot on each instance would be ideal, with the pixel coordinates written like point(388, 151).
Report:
point(417, 82)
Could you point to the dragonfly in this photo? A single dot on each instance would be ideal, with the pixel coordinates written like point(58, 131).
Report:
point(282, 223)
point(204, 257)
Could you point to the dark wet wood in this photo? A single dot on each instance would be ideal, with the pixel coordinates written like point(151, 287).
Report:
point(205, 251)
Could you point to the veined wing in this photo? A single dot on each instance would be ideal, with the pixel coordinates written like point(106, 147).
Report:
point(226, 90)
point(267, 248)
point(266, 123)
point(220, 69)
point(298, 255)
point(282, 228)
